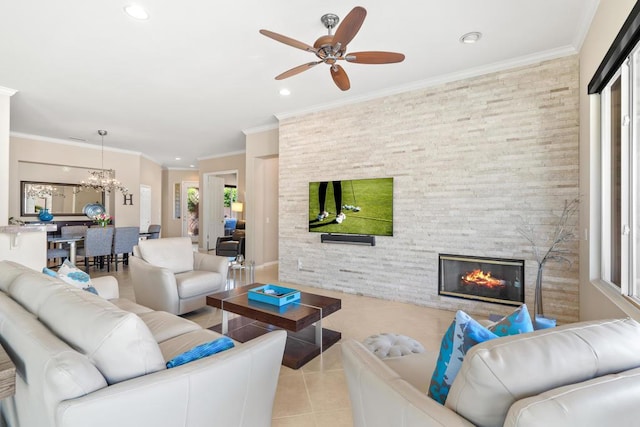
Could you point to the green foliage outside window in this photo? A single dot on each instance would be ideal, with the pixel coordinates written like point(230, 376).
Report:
point(230, 195)
point(193, 198)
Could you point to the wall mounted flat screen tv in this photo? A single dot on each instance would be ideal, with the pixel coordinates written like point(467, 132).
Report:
point(358, 206)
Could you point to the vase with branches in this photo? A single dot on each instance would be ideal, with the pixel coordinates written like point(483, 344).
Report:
point(552, 248)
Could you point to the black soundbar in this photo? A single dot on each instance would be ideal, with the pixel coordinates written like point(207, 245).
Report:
point(352, 239)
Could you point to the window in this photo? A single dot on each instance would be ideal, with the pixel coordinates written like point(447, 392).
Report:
point(620, 118)
point(230, 196)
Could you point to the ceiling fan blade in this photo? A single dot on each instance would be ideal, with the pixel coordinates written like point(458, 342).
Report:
point(374, 57)
point(340, 77)
point(349, 27)
point(297, 70)
point(287, 40)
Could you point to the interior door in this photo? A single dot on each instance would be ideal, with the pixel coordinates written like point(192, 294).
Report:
point(145, 207)
point(213, 211)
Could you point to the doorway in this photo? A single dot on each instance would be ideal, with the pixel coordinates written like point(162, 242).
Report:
point(214, 211)
point(145, 207)
point(190, 206)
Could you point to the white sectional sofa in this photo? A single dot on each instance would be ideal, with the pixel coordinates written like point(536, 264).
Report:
point(584, 374)
point(88, 360)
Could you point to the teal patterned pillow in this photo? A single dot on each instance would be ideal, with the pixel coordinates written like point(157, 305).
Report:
point(439, 388)
point(467, 333)
point(72, 275)
point(200, 351)
point(518, 322)
point(463, 334)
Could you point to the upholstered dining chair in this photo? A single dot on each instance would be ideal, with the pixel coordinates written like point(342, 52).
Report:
point(154, 229)
point(73, 230)
point(124, 239)
point(97, 245)
point(58, 253)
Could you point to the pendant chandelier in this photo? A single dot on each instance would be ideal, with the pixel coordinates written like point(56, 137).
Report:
point(103, 180)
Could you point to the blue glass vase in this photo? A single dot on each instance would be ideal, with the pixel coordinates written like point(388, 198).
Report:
point(45, 215)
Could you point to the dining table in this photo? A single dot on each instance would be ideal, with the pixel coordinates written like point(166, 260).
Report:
point(72, 240)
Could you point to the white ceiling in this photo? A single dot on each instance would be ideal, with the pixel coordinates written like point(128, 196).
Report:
point(188, 82)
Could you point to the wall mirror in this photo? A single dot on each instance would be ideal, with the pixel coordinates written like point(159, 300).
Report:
point(61, 199)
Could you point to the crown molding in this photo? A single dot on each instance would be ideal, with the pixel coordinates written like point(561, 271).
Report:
point(583, 28)
point(73, 143)
point(178, 168)
point(217, 156)
point(259, 129)
point(7, 91)
point(439, 80)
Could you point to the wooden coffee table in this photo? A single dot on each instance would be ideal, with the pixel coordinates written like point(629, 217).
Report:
point(306, 338)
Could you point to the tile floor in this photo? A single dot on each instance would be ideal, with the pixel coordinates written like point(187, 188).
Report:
point(316, 395)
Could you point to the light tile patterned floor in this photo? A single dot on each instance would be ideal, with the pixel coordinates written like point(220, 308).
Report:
point(316, 395)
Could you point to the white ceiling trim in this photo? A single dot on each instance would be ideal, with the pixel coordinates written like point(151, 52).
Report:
point(259, 129)
point(217, 156)
point(585, 25)
point(439, 80)
point(75, 144)
point(7, 91)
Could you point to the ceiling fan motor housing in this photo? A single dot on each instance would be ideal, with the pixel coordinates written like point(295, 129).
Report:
point(330, 20)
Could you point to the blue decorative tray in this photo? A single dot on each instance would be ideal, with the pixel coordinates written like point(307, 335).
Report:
point(274, 295)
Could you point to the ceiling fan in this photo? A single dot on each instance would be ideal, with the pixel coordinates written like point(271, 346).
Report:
point(333, 48)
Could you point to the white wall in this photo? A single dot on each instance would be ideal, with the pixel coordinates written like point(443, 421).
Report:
point(470, 159)
point(127, 165)
point(262, 149)
point(5, 113)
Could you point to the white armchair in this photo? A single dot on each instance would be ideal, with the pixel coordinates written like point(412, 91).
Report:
point(167, 275)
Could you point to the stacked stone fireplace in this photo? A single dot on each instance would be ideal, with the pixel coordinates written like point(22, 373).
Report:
point(495, 280)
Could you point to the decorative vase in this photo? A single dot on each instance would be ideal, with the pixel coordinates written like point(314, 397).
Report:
point(540, 320)
point(45, 215)
point(537, 307)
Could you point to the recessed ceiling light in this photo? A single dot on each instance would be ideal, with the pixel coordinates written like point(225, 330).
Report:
point(178, 158)
point(471, 38)
point(136, 11)
point(285, 92)
point(192, 166)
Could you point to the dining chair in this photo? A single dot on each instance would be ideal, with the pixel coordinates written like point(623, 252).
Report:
point(124, 239)
point(72, 230)
point(154, 229)
point(61, 253)
point(97, 245)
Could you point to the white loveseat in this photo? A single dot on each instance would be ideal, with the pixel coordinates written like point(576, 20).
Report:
point(577, 375)
point(83, 360)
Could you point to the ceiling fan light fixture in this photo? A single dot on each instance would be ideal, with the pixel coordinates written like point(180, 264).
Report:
point(136, 12)
point(471, 38)
point(332, 48)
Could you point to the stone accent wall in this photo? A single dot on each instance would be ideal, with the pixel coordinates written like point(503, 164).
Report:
point(472, 161)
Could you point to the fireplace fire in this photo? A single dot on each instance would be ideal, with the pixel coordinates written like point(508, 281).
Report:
point(496, 280)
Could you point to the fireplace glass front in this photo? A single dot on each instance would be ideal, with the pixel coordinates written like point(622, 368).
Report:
point(495, 280)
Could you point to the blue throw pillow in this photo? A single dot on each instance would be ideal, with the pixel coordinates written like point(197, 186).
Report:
point(438, 388)
point(49, 272)
point(518, 322)
point(200, 351)
point(463, 334)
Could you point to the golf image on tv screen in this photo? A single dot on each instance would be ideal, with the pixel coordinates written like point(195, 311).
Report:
point(359, 206)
